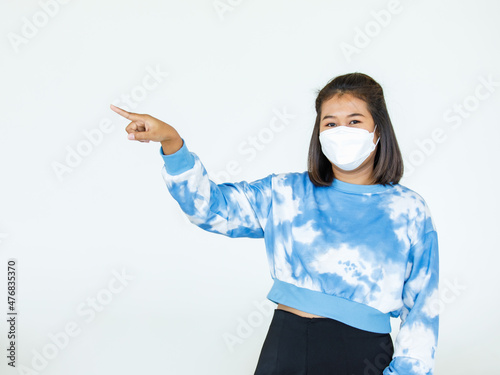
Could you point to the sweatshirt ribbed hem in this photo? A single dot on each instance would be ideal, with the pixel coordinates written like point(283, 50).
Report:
point(349, 312)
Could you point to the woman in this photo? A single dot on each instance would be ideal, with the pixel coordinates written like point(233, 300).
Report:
point(348, 246)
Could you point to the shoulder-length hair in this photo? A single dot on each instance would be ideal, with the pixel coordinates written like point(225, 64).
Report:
point(388, 163)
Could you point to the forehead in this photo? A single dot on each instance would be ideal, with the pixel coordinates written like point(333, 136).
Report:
point(342, 105)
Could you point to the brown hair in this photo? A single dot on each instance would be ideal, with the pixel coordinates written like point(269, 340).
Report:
point(388, 162)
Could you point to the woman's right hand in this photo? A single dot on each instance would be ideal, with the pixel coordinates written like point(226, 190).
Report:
point(145, 128)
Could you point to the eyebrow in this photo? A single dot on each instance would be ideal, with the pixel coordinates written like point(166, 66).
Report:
point(351, 115)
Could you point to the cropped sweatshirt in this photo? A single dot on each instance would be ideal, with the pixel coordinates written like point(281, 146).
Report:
point(359, 254)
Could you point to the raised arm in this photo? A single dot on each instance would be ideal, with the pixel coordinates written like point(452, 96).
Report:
point(237, 209)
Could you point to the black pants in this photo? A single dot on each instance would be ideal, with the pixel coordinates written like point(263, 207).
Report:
point(295, 345)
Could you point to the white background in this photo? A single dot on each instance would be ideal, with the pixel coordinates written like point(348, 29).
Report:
point(228, 73)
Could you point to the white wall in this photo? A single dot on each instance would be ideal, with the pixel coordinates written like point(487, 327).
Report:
point(220, 79)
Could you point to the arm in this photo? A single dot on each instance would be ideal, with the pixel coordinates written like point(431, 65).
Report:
point(416, 342)
point(233, 209)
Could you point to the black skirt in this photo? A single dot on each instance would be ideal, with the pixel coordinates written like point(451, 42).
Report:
point(296, 345)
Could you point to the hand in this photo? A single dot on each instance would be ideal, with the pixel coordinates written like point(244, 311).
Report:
point(145, 128)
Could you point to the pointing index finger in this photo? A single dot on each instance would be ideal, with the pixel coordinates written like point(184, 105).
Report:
point(127, 115)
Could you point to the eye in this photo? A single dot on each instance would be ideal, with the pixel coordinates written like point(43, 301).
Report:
point(332, 124)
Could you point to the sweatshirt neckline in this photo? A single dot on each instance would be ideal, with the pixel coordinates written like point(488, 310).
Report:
point(359, 189)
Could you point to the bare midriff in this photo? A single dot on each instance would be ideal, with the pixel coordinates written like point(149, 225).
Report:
point(297, 312)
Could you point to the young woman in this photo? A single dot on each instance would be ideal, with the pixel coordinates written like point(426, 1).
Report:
point(348, 246)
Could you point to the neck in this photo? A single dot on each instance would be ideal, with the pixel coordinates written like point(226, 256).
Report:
point(361, 176)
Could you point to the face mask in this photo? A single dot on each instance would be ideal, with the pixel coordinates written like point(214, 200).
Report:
point(347, 147)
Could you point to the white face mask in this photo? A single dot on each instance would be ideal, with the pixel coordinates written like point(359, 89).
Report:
point(347, 147)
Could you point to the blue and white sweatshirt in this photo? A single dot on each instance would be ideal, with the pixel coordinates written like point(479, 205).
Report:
point(359, 254)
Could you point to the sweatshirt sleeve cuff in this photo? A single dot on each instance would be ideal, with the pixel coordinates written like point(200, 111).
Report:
point(178, 162)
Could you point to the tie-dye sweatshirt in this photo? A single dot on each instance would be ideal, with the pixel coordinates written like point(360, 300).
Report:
point(359, 254)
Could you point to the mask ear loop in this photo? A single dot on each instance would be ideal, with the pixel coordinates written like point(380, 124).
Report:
point(378, 139)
